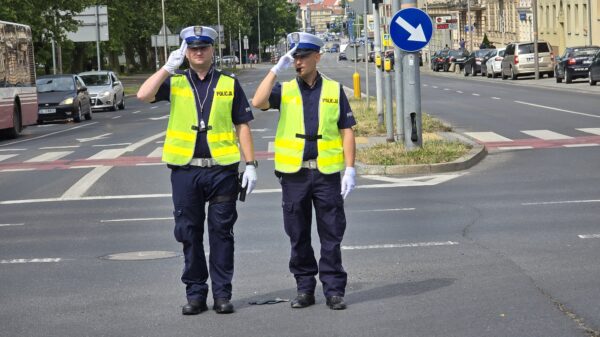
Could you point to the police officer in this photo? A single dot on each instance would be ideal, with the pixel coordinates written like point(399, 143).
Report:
point(314, 142)
point(201, 148)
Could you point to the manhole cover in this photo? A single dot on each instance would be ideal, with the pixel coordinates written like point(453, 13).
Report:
point(139, 256)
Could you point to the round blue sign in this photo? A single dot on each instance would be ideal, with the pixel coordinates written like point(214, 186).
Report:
point(411, 29)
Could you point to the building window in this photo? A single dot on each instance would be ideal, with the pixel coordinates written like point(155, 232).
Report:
point(585, 20)
point(568, 19)
point(554, 18)
point(548, 22)
point(576, 13)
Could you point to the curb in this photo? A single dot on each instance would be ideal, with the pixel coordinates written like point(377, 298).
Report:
point(474, 156)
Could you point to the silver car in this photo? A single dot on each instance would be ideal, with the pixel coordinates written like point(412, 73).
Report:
point(519, 60)
point(106, 91)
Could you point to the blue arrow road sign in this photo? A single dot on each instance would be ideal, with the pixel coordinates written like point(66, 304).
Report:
point(411, 29)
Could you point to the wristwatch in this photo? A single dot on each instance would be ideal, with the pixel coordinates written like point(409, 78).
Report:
point(253, 163)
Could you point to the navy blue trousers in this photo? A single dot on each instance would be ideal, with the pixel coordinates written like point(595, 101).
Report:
point(301, 191)
point(193, 187)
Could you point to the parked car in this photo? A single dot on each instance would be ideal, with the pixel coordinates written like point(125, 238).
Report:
point(484, 60)
point(473, 62)
point(456, 56)
point(519, 60)
point(106, 91)
point(230, 60)
point(594, 69)
point(574, 63)
point(371, 56)
point(342, 56)
point(437, 59)
point(62, 97)
point(494, 62)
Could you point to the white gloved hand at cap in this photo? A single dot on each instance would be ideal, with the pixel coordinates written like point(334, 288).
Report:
point(176, 58)
point(284, 62)
point(249, 178)
point(348, 182)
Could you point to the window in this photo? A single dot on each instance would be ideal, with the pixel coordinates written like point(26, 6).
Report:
point(554, 18)
point(585, 20)
point(568, 19)
point(576, 13)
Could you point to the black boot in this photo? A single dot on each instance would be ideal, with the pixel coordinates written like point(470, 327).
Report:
point(194, 307)
point(336, 303)
point(223, 306)
point(303, 301)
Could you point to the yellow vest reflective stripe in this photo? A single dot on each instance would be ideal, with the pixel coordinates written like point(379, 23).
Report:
point(180, 139)
point(289, 149)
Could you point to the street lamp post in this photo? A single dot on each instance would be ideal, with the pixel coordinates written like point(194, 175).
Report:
point(164, 29)
point(259, 47)
point(219, 29)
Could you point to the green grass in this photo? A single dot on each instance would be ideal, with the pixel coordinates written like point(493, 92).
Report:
point(434, 150)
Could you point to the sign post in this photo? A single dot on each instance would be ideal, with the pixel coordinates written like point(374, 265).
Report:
point(411, 30)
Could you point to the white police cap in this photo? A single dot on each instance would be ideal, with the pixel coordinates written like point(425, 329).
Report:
point(306, 43)
point(198, 36)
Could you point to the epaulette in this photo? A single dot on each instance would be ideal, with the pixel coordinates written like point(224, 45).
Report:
point(226, 73)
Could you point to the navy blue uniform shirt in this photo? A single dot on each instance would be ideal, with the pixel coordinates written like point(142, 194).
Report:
point(310, 103)
point(241, 111)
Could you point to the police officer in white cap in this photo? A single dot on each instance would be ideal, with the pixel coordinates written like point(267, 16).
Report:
point(314, 142)
point(203, 152)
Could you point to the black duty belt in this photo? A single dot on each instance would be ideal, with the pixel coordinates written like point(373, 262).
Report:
point(311, 138)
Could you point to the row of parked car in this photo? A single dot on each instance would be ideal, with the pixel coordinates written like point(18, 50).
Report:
point(517, 59)
point(75, 96)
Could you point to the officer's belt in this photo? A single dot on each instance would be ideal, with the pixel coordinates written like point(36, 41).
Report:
point(201, 130)
point(203, 162)
point(311, 138)
point(310, 164)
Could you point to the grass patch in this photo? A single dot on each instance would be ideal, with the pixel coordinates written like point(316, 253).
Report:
point(131, 89)
point(434, 150)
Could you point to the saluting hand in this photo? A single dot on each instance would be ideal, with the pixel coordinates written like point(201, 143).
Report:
point(284, 62)
point(176, 58)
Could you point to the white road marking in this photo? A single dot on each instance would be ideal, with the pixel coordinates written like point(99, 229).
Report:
point(160, 142)
point(488, 137)
point(84, 184)
point(59, 147)
point(50, 134)
point(40, 260)
point(89, 139)
point(18, 170)
point(581, 145)
point(594, 131)
point(136, 219)
point(11, 150)
point(458, 91)
point(136, 112)
point(474, 94)
point(401, 245)
point(154, 107)
point(559, 202)
point(508, 148)
point(446, 89)
point(434, 87)
point(116, 117)
point(156, 153)
point(268, 137)
point(49, 156)
point(159, 118)
point(111, 145)
point(495, 97)
point(589, 236)
point(382, 210)
point(7, 156)
point(109, 154)
point(11, 224)
point(546, 134)
point(259, 130)
point(271, 147)
point(557, 109)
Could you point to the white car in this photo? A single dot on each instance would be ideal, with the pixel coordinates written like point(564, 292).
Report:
point(106, 91)
point(494, 63)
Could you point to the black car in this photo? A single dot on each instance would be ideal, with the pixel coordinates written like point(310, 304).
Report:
point(473, 63)
point(62, 97)
point(437, 59)
point(574, 63)
point(594, 69)
point(456, 56)
point(342, 56)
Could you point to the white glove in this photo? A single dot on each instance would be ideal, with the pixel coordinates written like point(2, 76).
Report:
point(284, 62)
point(348, 182)
point(249, 178)
point(176, 58)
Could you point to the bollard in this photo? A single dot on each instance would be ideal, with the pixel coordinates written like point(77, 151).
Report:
point(356, 79)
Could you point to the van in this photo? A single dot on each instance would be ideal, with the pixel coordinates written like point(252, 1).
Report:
point(519, 60)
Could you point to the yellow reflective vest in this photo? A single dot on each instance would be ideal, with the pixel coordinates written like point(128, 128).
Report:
point(289, 144)
point(182, 131)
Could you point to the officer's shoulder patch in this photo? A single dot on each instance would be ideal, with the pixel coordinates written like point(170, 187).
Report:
point(227, 73)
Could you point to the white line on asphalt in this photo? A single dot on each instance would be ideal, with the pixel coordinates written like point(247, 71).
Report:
point(446, 89)
point(136, 112)
point(59, 147)
point(111, 145)
point(159, 118)
point(474, 94)
point(268, 137)
point(156, 152)
point(49, 156)
point(401, 245)
point(11, 150)
point(271, 147)
point(7, 156)
point(94, 198)
point(383, 210)
point(560, 202)
point(594, 131)
point(11, 224)
point(458, 91)
point(488, 137)
point(434, 86)
point(136, 219)
point(108, 154)
point(116, 117)
point(546, 134)
point(508, 148)
point(40, 260)
point(50, 134)
point(581, 145)
point(84, 184)
point(18, 170)
point(495, 97)
point(589, 236)
point(154, 107)
point(557, 109)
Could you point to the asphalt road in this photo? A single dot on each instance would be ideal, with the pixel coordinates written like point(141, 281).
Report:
point(506, 248)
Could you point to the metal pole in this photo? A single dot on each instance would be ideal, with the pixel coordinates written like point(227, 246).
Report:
point(53, 56)
point(398, 54)
point(535, 40)
point(412, 95)
point(365, 24)
point(378, 73)
point(164, 30)
point(98, 37)
point(589, 9)
point(219, 29)
point(156, 50)
point(389, 114)
point(259, 46)
point(240, 41)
